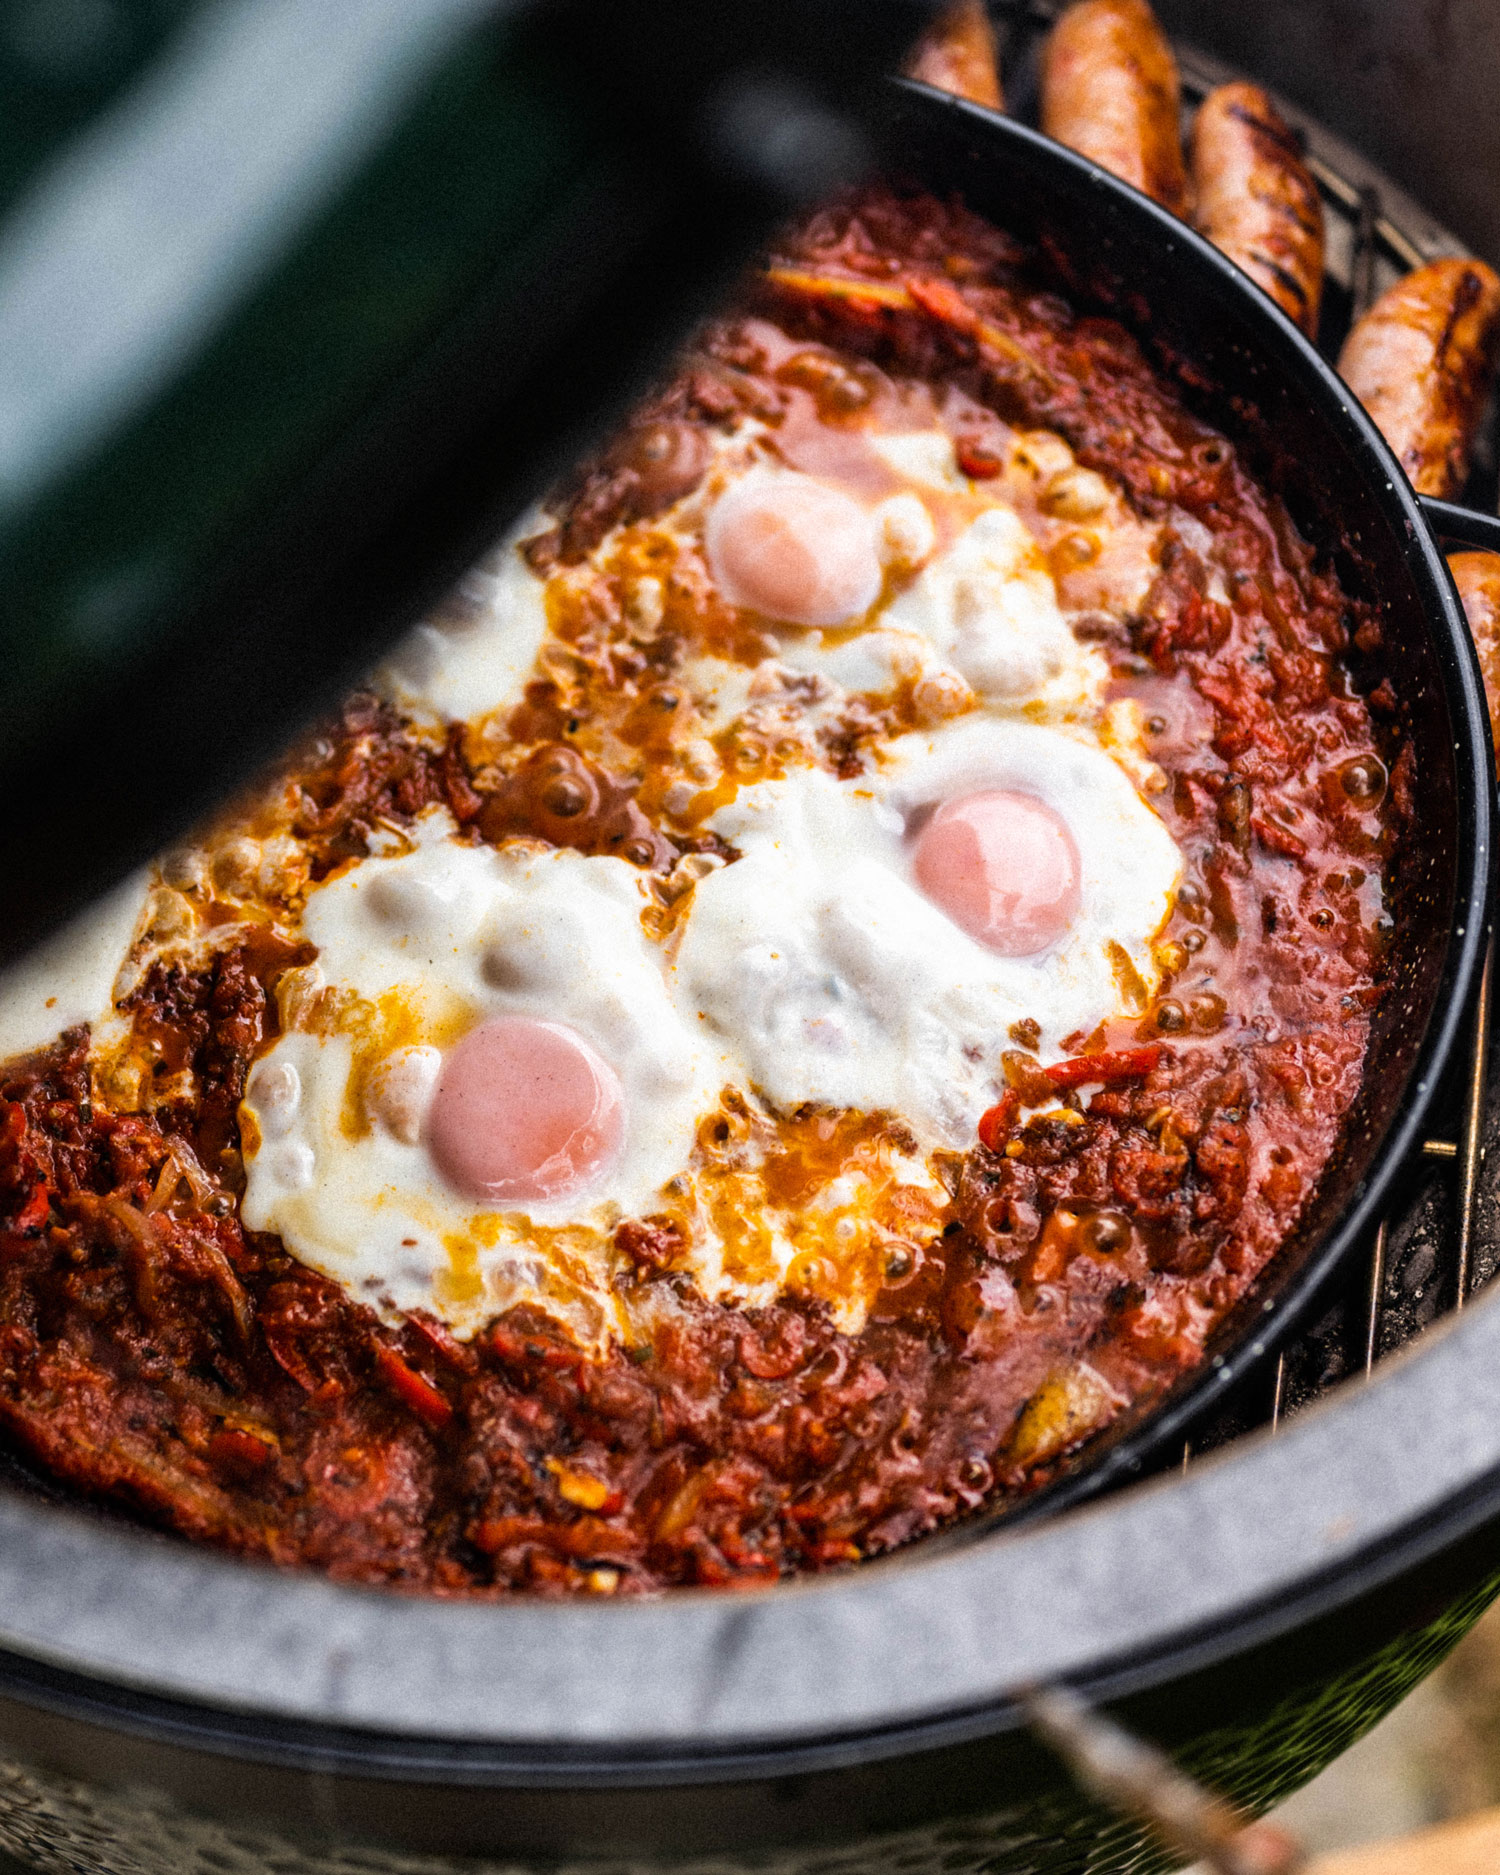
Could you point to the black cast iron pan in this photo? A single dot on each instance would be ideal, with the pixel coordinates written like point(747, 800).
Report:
point(835, 1708)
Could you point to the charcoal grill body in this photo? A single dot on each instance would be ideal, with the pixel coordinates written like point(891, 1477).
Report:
point(163, 1708)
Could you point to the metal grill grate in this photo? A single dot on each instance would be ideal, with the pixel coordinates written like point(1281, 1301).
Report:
point(1439, 1241)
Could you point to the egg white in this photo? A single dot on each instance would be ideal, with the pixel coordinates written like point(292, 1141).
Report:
point(982, 610)
point(824, 974)
point(988, 607)
point(448, 935)
point(475, 654)
point(70, 978)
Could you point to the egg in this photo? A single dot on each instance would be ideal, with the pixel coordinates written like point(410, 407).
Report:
point(794, 548)
point(69, 978)
point(858, 956)
point(969, 599)
point(988, 607)
point(488, 1074)
point(475, 654)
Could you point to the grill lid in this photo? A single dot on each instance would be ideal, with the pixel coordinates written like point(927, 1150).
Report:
point(272, 285)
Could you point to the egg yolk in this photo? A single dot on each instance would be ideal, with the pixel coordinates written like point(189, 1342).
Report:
point(794, 549)
point(1004, 867)
point(524, 1110)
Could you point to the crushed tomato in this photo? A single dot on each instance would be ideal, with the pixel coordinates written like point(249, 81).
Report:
point(153, 1349)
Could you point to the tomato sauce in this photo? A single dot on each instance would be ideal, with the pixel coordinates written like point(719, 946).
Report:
point(154, 1350)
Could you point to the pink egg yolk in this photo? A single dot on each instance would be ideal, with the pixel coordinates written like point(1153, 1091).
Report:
point(1004, 867)
point(524, 1110)
point(793, 549)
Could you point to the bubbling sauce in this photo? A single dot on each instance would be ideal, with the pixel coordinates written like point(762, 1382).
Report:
point(905, 542)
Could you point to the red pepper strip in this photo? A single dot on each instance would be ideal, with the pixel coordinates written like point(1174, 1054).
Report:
point(423, 1399)
point(1124, 1064)
point(506, 1344)
point(236, 1449)
point(33, 1214)
point(943, 302)
point(734, 1551)
point(997, 1122)
point(936, 298)
point(523, 1350)
point(1277, 839)
point(493, 1534)
point(834, 1551)
point(586, 1538)
point(441, 1342)
point(977, 460)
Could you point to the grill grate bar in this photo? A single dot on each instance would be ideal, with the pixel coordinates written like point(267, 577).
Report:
point(1371, 230)
point(1366, 207)
point(1473, 1137)
point(1377, 1295)
point(1360, 202)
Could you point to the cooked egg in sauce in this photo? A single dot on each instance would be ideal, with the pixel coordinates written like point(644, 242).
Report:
point(877, 940)
point(484, 1054)
point(914, 821)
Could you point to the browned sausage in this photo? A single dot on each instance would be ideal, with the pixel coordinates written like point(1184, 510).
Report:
point(1477, 577)
point(957, 53)
point(1255, 198)
point(1109, 90)
point(1421, 362)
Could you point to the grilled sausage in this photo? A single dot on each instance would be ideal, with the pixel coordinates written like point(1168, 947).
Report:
point(1255, 198)
point(957, 53)
point(1421, 361)
point(1109, 91)
point(1477, 577)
